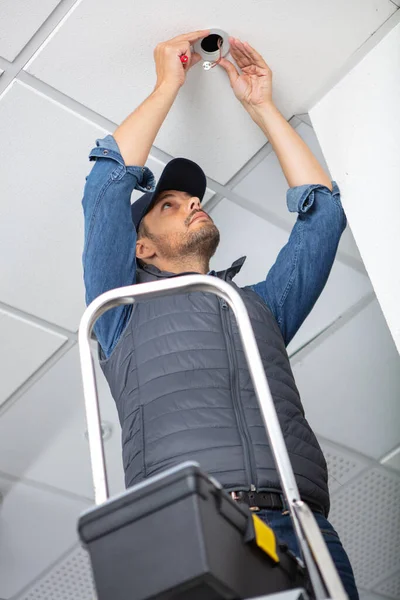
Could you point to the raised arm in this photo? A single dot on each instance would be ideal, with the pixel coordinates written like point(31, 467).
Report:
point(109, 235)
point(109, 255)
point(296, 280)
point(253, 88)
point(301, 270)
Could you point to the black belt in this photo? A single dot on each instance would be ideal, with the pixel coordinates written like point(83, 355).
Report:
point(270, 500)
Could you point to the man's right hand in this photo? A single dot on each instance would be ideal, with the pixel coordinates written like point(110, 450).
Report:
point(170, 70)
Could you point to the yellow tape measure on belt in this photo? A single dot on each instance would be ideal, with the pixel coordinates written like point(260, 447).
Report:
point(265, 538)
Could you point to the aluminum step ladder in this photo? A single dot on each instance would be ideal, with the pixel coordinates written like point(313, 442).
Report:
point(315, 557)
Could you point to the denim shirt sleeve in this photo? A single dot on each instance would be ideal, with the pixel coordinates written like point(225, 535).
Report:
point(301, 270)
point(109, 253)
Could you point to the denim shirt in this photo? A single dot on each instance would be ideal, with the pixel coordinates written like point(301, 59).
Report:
point(290, 289)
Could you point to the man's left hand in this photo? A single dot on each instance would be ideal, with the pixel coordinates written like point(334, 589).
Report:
point(252, 87)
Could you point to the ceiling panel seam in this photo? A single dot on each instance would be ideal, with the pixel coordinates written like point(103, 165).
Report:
point(354, 454)
point(368, 467)
point(260, 211)
point(361, 474)
point(46, 487)
point(43, 33)
point(245, 170)
point(332, 328)
point(33, 319)
point(382, 30)
point(95, 118)
point(304, 118)
point(389, 454)
point(4, 64)
point(32, 379)
point(255, 160)
point(7, 79)
point(66, 8)
point(353, 60)
point(213, 202)
point(367, 461)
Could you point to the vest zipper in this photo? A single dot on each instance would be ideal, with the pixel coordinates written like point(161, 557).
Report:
point(233, 372)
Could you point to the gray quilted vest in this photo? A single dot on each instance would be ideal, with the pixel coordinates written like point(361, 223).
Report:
point(183, 391)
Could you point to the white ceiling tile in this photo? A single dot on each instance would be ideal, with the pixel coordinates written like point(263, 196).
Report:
point(42, 436)
point(390, 586)
point(84, 61)
point(42, 266)
point(343, 465)
point(305, 117)
point(37, 526)
point(392, 460)
point(266, 186)
point(25, 347)
point(344, 288)
point(243, 233)
point(350, 385)
point(367, 595)
point(19, 21)
point(70, 578)
point(366, 514)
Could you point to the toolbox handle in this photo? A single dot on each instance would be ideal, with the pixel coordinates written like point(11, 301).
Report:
point(330, 586)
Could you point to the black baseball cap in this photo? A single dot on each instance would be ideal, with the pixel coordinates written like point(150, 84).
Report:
point(179, 174)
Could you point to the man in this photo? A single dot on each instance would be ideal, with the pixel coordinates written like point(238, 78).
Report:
point(175, 365)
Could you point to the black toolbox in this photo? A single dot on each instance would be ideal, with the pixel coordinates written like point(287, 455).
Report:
point(179, 535)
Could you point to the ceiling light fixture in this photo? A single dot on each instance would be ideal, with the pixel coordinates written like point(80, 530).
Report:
point(212, 47)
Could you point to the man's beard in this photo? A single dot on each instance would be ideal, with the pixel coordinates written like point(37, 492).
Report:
point(200, 243)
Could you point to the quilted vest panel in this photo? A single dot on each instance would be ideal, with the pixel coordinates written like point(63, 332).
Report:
point(183, 391)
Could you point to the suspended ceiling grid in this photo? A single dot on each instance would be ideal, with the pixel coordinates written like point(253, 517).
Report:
point(70, 73)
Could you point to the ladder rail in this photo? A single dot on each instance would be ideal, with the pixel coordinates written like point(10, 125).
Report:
point(323, 575)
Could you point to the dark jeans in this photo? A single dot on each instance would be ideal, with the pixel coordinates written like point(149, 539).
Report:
point(282, 526)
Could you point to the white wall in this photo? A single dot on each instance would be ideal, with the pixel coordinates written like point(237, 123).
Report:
point(358, 127)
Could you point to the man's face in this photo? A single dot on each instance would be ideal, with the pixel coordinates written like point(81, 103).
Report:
point(179, 227)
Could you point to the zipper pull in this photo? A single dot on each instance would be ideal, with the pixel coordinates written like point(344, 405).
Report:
point(223, 304)
point(253, 488)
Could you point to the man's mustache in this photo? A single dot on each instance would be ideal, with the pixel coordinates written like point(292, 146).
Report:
point(190, 217)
